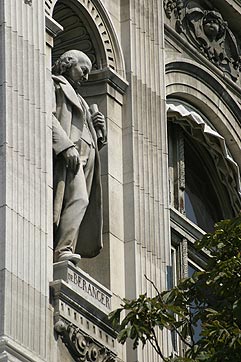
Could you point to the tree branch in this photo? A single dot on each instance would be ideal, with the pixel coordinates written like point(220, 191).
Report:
point(181, 337)
point(156, 345)
point(154, 286)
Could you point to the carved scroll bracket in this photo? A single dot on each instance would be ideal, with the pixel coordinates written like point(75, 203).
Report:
point(82, 347)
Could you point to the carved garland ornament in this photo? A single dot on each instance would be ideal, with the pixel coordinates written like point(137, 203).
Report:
point(205, 28)
point(81, 346)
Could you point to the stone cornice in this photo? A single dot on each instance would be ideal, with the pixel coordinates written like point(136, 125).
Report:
point(52, 27)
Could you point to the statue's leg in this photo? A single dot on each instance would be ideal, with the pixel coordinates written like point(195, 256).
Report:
point(75, 203)
point(76, 200)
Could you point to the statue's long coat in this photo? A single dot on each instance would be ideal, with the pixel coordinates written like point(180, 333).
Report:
point(69, 110)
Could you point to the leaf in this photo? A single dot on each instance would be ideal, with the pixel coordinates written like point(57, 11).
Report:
point(237, 310)
point(210, 298)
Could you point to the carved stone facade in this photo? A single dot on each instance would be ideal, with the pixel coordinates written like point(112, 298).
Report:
point(166, 75)
point(204, 26)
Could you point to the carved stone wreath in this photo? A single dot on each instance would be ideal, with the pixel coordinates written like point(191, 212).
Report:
point(171, 6)
point(205, 28)
point(82, 347)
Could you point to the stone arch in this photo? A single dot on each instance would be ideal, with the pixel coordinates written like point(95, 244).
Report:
point(197, 86)
point(100, 29)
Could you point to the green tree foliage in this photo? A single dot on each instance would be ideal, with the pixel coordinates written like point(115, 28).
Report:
point(211, 298)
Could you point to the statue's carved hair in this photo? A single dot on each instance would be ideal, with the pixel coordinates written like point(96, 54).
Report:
point(66, 60)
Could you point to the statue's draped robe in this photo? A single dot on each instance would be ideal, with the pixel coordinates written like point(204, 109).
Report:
point(70, 109)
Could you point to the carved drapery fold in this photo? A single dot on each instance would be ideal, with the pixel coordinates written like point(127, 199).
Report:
point(205, 28)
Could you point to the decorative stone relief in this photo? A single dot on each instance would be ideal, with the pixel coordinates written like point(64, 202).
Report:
point(29, 2)
point(81, 308)
point(173, 6)
point(81, 346)
point(205, 28)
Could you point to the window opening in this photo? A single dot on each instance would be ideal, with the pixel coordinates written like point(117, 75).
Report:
point(198, 328)
point(203, 179)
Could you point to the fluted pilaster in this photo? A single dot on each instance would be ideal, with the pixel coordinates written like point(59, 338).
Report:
point(145, 171)
point(25, 185)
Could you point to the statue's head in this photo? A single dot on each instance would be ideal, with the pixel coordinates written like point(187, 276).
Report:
point(74, 64)
point(213, 25)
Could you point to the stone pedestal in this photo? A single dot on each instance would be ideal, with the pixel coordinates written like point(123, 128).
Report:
point(81, 308)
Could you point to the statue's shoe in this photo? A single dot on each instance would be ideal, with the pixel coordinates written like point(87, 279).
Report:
point(74, 258)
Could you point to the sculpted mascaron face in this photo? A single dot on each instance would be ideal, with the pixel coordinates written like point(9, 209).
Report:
point(211, 26)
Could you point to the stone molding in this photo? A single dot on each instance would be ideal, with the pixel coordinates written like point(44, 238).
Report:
point(12, 350)
point(52, 27)
point(204, 27)
point(105, 81)
point(219, 88)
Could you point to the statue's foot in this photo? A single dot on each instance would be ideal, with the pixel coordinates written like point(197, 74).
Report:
point(74, 258)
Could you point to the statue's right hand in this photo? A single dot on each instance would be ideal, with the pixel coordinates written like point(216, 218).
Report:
point(72, 159)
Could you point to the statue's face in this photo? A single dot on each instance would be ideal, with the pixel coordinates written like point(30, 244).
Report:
point(80, 71)
point(211, 28)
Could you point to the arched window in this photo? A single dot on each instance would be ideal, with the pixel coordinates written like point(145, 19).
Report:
point(202, 203)
point(204, 187)
point(203, 177)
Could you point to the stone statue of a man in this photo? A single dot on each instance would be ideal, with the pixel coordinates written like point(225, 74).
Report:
point(78, 134)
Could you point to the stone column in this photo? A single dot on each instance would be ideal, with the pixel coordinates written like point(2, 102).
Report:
point(25, 181)
point(146, 214)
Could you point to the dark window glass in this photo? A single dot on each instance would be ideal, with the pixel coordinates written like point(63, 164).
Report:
point(201, 202)
point(197, 328)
